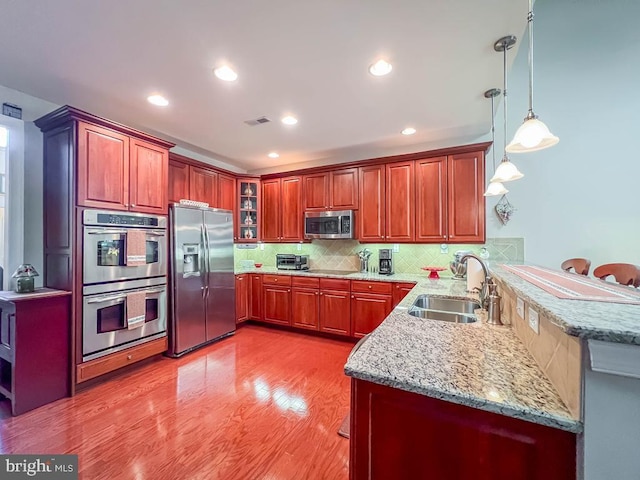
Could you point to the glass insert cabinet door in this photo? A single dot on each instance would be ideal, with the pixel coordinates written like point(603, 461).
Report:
point(247, 218)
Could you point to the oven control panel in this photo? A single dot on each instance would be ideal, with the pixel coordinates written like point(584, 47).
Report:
point(110, 218)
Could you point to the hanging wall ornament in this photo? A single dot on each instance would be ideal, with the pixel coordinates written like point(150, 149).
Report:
point(504, 210)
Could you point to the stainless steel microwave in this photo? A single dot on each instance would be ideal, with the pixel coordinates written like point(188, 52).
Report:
point(338, 224)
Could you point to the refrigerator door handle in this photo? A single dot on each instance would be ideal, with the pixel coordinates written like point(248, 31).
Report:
point(208, 269)
point(203, 265)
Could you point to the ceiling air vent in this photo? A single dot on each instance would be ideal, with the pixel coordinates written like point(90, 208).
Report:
point(257, 121)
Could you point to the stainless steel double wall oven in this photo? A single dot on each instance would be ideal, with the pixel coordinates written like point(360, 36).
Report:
point(124, 272)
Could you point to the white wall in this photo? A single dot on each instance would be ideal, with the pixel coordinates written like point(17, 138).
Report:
point(578, 198)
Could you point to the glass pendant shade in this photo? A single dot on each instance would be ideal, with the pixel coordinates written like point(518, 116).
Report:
point(506, 172)
point(533, 135)
point(495, 188)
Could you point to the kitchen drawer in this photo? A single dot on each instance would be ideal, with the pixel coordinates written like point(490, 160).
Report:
point(276, 280)
point(100, 366)
point(306, 282)
point(371, 287)
point(335, 284)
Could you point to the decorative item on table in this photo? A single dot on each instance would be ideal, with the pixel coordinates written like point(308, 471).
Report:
point(433, 271)
point(258, 265)
point(25, 278)
point(248, 205)
point(504, 210)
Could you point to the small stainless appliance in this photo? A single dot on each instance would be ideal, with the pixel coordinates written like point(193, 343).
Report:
point(202, 281)
point(385, 261)
point(287, 261)
point(109, 323)
point(330, 224)
point(110, 239)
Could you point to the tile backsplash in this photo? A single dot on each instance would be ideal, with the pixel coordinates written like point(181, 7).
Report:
point(342, 254)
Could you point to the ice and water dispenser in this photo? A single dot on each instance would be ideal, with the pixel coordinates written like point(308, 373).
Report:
point(191, 259)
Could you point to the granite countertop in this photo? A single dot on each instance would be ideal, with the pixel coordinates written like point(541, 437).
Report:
point(610, 322)
point(396, 277)
point(478, 365)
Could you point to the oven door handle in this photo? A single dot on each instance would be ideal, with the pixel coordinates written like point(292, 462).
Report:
point(107, 298)
point(106, 231)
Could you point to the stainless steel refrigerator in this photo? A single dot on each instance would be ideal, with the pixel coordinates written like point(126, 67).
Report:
point(202, 279)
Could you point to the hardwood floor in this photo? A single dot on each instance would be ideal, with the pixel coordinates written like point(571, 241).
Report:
point(262, 404)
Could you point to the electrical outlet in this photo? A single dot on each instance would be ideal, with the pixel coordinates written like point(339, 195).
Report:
point(262, 246)
point(520, 307)
point(534, 322)
point(299, 246)
point(396, 247)
point(444, 248)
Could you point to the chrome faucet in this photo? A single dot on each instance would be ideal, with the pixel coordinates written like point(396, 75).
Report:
point(489, 298)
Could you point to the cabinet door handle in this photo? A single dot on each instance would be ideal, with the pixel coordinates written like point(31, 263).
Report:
point(353, 296)
point(316, 293)
point(320, 294)
point(126, 204)
point(275, 279)
point(129, 357)
point(133, 204)
point(370, 286)
point(288, 290)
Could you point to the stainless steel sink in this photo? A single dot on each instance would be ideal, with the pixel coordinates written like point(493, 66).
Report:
point(445, 316)
point(445, 309)
point(446, 304)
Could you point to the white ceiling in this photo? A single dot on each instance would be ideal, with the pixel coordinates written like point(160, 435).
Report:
point(309, 58)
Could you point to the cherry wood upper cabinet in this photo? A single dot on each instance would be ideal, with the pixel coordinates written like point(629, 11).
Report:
point(226, 192)
point(203, 185)
point(466, 202)
point(148, 177)
point(282, 216)
point(371, 214)
point(178, 181)
point(292, 215)
point(103, 167)
point(334, 190)
point(271, 210)
point(400, 202)
point(431, 200)
point(316, 191)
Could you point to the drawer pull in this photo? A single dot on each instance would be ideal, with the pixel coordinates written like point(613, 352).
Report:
point(129, 357)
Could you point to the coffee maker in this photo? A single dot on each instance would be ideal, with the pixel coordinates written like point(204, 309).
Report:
point(385, 261)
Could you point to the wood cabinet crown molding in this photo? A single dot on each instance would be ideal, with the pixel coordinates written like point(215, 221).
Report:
point(66, 113)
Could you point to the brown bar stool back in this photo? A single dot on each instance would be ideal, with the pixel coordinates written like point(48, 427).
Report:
point(579, 265)
point(624, 273)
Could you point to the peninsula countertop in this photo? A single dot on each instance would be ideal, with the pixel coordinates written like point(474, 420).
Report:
point(609, 322)
point(478, 365)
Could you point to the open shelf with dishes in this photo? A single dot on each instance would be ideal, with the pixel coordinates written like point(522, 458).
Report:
point(248, 211)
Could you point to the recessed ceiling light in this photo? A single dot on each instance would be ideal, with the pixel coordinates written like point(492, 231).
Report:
point(273, 155)
point(289, 120)
point(408, 131)
point(226, 73)
point(380, 68)
point(158, 100)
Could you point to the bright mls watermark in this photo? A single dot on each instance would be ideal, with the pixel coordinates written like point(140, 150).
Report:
point(52, 467)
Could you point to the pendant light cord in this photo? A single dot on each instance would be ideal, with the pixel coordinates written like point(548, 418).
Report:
point(504, 94)
point(530, 114)
point(493, 133)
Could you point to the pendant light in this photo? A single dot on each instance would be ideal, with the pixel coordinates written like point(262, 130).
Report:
point(506, 171)
point(494, 188)
point(533, 134)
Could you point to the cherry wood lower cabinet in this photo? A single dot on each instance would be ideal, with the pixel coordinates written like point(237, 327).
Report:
point(305, 308)
point(34, 348)
point(94, 368)
point(255, 297)
point(335, 312)
point(242, 298)
point(403, 435)
point(276, 299)
point(368, 311)
point(400, 290)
